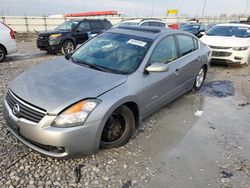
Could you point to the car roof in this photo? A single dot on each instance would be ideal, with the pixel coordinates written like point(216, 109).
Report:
point(88, 19)
point(234, 24)
point(142, 20)
point(143, 31)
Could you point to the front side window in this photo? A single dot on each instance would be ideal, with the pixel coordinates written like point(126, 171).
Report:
point(165, 51)
point(116, 53)
point(68, 25)
point(186, 44)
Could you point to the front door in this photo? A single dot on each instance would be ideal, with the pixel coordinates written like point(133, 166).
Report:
point(81, 32)
point(161, 87)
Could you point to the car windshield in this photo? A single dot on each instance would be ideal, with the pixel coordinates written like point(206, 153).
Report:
point(68, 25)
point(230, 31)
point(190, 28)
point(112, 52)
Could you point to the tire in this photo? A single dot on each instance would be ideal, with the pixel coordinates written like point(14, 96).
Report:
point(68, 46)
point(118, 129)
point(199, 80)
point(2, 54)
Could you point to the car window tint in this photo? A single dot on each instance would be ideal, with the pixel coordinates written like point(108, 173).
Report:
point(196, 44)
point(96, 25)
point(156, 24)
point(162, 24)
point(145, 24)
point(186, 44)
point(84, 26)
point(165, 51)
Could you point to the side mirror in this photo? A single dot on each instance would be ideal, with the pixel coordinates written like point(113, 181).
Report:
point(68, 56)
point(157, 67)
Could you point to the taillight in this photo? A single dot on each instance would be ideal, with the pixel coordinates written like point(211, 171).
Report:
point(12, 34)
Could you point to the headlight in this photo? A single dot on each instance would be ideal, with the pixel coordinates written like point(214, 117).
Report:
point(241, 48)
point(54, 36)
point(76, 114)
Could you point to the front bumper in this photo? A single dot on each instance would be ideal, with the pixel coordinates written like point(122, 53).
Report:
point(45, 46)
point(229, 56)
point(51, 141)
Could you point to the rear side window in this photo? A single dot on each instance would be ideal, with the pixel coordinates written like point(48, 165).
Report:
point(165, 51)
point(186, 44)
point(107, 25)
point(156, 24)
point(97, 25)
point(83, 26)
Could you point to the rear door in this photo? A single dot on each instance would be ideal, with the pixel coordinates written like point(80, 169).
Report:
point(189, 58)
point(97, 26)
point(81, 32)
point(160, 88)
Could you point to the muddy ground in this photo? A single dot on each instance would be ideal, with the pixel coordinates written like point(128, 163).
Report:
point(199, 140)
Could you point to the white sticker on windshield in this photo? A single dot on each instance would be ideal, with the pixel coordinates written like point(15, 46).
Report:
point(137, 42)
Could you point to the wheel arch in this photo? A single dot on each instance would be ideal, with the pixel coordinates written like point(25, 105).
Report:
point(4, 48)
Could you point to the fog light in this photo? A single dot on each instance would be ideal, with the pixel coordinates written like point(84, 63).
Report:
point(237, 58)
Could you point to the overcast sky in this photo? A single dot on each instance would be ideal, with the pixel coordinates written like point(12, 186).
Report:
point(127, 7)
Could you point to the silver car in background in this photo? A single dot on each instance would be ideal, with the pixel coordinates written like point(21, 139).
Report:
point(97, 96)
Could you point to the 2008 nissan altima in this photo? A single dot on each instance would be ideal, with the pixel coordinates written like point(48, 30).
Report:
point(97, 96)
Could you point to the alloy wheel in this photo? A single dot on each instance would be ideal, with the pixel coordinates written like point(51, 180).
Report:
point(200, 78)
point(68, 47)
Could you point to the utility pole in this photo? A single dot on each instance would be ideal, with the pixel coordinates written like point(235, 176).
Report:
point(246, 7)
point(204, 7)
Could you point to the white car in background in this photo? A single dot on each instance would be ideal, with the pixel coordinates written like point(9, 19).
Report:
point(230, 43)
point(143, 22)
point(7, 41)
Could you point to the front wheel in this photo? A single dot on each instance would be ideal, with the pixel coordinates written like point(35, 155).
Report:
point(200, 79)
point(2, 54)
point(68, 47)
point(119, 128)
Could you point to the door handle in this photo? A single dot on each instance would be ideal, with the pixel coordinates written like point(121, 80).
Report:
point(199, 59)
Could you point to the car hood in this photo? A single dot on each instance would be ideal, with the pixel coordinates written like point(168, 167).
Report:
point(225, 41)
point(57, 84)
point(50, 32)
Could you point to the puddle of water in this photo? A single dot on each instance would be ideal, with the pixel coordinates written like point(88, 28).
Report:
point(220, 89)
point(172, 124)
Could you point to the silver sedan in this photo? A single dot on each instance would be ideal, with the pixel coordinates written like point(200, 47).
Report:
point(97, 96)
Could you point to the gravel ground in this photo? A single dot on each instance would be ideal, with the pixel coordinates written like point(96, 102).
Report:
point(164, 151)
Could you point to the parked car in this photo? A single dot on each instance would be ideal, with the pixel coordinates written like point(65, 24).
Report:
point(143, 22)
point(97, 96)
point(67, 36)
point(198, 29)
point(229, 43)
point(7, 41)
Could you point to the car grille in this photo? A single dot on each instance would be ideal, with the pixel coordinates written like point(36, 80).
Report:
point(26, 111)
point(220, 48)
point(43, 38)
point(221, 54)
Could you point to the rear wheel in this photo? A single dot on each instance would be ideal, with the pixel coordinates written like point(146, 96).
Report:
point(200, 79)
point(119, 128)
point(2, 54)
point(68, 47)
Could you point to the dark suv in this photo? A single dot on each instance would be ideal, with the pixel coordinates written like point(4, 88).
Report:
point(68, 35)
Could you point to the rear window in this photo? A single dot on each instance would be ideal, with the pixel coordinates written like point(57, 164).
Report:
point(186, 44)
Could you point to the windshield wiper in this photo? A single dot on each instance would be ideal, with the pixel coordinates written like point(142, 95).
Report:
point(93, 66)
